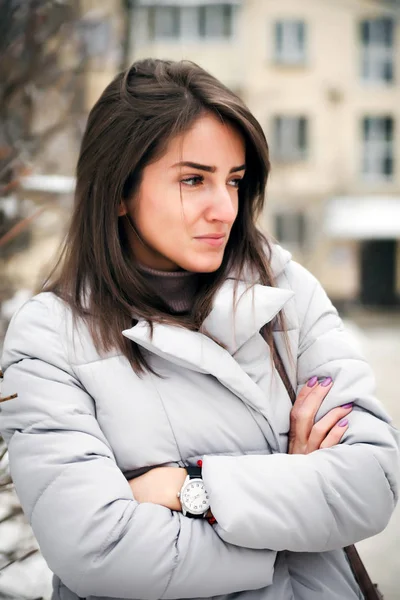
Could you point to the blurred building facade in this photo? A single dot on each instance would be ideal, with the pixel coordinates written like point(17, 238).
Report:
point(322, 79)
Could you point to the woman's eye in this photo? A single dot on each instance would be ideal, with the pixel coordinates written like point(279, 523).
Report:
point(196, 180)
point(235, 182)
point(193, 181)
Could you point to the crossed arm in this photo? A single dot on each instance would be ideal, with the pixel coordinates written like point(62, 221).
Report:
point(161, 485)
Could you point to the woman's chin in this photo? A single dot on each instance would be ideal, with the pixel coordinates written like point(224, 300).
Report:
point(207, 264)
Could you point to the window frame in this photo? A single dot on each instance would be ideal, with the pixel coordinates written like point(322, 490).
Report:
point(380, 147)
point(200, 32)
point(96, 31)
point(152, 23)
point(288, 222)
point(377, 56)
point(292, 150)
point(281, 52)
point(227, 21)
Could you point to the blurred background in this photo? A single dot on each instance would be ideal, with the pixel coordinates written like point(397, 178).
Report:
point(321, 76)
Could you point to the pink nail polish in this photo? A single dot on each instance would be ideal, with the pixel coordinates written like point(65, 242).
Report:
point(326, 382)
point(312, 381)
point(343, 423)
point(349, 405)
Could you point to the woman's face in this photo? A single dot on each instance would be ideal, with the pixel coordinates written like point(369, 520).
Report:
point(188, 199)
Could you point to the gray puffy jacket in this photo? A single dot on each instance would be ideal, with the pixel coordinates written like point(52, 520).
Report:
point(82, 422)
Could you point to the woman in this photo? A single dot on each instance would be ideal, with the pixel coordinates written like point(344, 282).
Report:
point(147, 395)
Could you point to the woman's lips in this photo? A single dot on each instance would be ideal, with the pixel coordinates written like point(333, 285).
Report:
point(212, 240)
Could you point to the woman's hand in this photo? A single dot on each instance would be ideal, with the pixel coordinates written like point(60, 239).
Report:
point(160, 485)
point(305, 435)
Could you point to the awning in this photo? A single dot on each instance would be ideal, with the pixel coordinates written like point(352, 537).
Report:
point(363, 217)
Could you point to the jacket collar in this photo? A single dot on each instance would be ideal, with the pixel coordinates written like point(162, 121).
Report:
point(238, 314)
point(234, 319)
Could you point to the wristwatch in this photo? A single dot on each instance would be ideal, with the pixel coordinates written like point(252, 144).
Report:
point(193, 495)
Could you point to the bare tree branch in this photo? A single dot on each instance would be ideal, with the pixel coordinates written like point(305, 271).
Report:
point(16, 230)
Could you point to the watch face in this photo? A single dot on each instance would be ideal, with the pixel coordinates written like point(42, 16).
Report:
point(194, 497)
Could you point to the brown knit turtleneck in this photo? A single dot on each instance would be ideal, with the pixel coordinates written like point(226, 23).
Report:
point(177, 288)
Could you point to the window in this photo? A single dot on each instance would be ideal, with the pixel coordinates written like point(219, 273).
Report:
point(215, 21)
point(290, 42)
point(290, 229)
point(378, 154)
point(96, 37)
point(209, 21)
point(377, 40)
point(164, 22)
point(189, 22)
point(290, 138)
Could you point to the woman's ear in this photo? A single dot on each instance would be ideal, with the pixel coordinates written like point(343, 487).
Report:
point(122, 210)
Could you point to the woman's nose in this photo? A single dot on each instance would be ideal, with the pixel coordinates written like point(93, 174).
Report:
point(223, 205)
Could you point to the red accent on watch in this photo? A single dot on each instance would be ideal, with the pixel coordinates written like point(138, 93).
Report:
point(200, 463)
point(212, 520)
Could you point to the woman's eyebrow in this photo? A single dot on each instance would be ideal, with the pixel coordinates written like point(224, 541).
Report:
point(207, 168)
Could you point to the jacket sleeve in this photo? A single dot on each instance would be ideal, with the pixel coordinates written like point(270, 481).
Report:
point(329, 498)
point(91, 531)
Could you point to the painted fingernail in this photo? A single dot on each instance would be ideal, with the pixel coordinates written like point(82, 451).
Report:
point(312, 381)
point(343, 423)
point(326, 382)
point(349, 405)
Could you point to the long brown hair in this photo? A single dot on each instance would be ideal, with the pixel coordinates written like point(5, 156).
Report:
point(129, 126)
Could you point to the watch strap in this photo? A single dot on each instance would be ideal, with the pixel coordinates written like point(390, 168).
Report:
point(194, 472)
point(193, 516)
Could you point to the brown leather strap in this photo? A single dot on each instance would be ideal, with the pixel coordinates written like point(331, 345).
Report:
point(369, 589)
